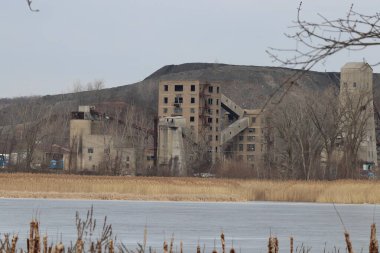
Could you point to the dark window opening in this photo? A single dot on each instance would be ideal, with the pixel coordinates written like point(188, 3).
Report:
point(210, 89)
point(192, 119)
point(166, 87)
point(192, 87)
point(193, 100)
point(178, 87)
point(90, 150)
point(166, 100)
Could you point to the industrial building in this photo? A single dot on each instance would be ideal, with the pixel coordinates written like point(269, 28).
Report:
point(192, 110)
point(95, 150)
point(356, 88)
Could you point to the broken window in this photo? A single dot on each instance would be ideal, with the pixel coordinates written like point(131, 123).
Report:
point(192, 100)
point(251, 138)
point(210, 101)
point(90, 150)
point(250, 147)
point(192, 119)
point(210, 89)
point(166, 87)
point(192, 87)
point(166, 100)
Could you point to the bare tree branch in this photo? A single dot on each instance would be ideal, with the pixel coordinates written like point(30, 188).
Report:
point(318, 40)
point(29, 2)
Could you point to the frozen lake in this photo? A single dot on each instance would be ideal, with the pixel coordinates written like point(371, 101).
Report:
point(247, 224)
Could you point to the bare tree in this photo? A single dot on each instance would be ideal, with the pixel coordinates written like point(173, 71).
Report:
point(299, 144)
point(327, 117)
point(318, 40)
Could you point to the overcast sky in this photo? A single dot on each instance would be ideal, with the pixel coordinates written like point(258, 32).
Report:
point(123, 41)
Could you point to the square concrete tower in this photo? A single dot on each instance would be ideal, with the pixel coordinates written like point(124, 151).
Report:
point(356, 90)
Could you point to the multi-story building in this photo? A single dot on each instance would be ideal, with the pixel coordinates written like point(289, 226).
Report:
point(356, 93)
point(249, 146)
point(199, 103)
point(193, 109)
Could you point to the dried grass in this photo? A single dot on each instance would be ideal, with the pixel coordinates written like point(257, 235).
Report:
point(186, 189)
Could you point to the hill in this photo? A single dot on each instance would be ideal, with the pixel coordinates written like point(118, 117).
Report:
point(248, 86)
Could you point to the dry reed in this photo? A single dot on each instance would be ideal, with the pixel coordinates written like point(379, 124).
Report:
point(348, 242)
point(186, 189)
point(373, 244)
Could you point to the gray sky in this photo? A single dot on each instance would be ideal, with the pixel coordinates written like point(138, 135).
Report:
point(123, 41)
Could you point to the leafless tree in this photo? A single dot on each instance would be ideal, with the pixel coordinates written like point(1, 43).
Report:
point(318, 40)
point(299, 144)
point(324, 110)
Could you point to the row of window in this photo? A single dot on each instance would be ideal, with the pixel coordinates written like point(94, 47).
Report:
point(249, 147)
point(210, 138)
point(178, 100)
point(180, 87)
point(354, 84)
point(249, 138)
point(249, 158)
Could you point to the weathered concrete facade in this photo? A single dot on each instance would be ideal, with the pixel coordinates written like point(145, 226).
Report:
point(193, 109)
point(356, 87)
point(95, 151)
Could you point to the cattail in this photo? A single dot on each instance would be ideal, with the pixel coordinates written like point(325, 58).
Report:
point(92, 247)
point(232, 250)
point(111, 250)
point(171, 244)
point(223, 243)
point(79, 246)
point(291, 244)
point(45, 244)
point(214, 250)
point(271, 245)
point(36, 239)
point(348, 242)
point(276, 245)
point(59, 248)
point(14, 242)
point(30, 241)
point(165, 247)
point(181, 247)
point(198, 248)
point(99, 247)
point(373, 244)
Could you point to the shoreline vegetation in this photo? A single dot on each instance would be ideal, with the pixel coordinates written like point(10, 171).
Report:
point(86, 241)
point(108, 243)
point(24, 185)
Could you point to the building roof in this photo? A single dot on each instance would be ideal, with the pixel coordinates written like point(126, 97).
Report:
point(356, 65)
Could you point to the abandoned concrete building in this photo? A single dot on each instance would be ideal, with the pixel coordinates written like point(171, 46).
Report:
point(356, 87)
point(94, 149)
point(193, 110)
